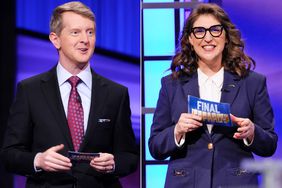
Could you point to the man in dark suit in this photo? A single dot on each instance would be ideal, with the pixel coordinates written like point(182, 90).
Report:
point(70, 108)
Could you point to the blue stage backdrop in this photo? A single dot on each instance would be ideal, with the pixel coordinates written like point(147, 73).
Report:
point(118, 25)
point(260, 24)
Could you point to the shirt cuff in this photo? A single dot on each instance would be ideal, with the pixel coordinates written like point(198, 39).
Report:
point(182, 141)
point(36, 169)
point(112, 170)
point(246, 142)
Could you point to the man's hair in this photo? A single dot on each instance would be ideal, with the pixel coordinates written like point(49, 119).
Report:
point(56, 24)
point(234, 59)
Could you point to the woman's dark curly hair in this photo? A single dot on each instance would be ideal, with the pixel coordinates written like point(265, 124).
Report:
point(185, 62)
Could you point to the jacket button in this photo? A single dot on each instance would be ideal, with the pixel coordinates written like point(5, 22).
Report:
point(210, 146)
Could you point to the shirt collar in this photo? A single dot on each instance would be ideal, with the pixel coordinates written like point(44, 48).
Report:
point(217, 78)
point(85, 75)
point(202, 78)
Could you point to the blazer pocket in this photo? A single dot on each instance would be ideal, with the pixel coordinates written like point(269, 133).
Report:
point(104, 120)
point(179, 176)
point(238, 177)
point(104, 123)
point(239, 172)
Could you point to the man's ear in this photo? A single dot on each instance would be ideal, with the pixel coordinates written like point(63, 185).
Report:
point(55, 39)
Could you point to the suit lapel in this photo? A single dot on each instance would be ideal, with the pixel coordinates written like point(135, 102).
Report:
point(50, 88)
point(230, 89)
point(190, 85)
point(99, 94)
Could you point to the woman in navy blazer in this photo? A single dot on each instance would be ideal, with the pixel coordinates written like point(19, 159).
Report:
point(210, 55)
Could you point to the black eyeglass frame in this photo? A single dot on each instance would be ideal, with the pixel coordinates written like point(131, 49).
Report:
point(208, 29)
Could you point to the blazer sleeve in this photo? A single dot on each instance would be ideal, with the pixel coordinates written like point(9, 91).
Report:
point(265, 139)
point(161, 141)
point(125, 150)
point(16, 150)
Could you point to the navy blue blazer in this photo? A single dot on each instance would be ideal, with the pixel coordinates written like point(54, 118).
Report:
point(196, 163)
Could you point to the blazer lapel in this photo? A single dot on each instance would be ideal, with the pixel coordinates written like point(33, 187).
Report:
point(230, 89)
point(99, 95)
point(51, 91)
point(190, 85)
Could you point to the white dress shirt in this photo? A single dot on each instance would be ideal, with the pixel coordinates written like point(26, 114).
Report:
point(210, 87)
point(83, 88)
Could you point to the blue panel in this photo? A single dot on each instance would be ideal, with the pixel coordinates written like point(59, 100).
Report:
point(153, 72)
point(148, 123)
point(181, 20)
point(157, 1)
point(155, 175)
point(159, 32)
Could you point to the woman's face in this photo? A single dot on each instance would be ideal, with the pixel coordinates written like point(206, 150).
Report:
point(208, 40)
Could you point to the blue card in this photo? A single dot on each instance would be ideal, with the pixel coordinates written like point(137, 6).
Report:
point(212, 112)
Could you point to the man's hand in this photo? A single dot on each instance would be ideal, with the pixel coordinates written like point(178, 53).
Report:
point(246, 128)
point(52, 161)
point(104, 163)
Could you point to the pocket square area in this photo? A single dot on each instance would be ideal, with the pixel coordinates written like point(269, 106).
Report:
point(104, 120)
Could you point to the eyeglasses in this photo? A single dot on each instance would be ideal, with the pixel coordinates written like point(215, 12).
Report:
point(200, 32)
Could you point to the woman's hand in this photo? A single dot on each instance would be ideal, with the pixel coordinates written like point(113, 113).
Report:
point(246, 128)
point(187, 123)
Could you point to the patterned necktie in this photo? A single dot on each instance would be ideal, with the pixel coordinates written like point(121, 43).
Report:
point(75, 114)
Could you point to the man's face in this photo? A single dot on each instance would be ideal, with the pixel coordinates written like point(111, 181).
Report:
point(76, 41)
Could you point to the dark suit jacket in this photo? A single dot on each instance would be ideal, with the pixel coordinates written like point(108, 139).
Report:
point(38, 121)
point(194, 164)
